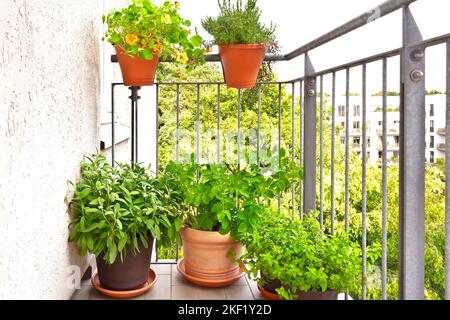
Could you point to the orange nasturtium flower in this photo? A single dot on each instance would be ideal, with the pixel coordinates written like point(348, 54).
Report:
point(182, 57)
point(157, 47)
point(131, 39)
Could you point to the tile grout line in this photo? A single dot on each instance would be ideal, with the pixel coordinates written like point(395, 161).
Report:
point(249, 287)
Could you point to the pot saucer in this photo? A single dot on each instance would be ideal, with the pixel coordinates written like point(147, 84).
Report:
point(268, 295)
point(152, 277)
point(208, 282)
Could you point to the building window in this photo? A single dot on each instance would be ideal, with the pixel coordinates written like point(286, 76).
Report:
point(341, 111)
point(397, 140)
point(342, 140)
point(380, 123)
point(343, 124)
point(431, 110)
point(356, 125)
point(431, 125)
point(368, 142)
point(357, 141)
point(396, 154)
point(432, 142)
point(380, 154)
point(357, 111)
point(431, 156)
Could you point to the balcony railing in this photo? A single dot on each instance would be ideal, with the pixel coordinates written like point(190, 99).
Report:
point(309, 149)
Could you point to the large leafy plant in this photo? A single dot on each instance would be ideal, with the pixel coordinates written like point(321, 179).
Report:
point(148, 30)
point(115, 209)
point(224, 198)
point(298, 254)
point(239, 24)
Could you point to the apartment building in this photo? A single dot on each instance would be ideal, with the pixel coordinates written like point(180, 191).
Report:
point(434, 124)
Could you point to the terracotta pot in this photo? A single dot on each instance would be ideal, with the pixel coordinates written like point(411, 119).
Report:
point(130, 274)
point(135, 70)
point(271, 293)
point(206, 254)
point(241, 64)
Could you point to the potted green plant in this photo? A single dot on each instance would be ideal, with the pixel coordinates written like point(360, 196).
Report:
point(117, 213)
point(293, 259)
point(143, 32)
point(242, 39)
point(219, 204)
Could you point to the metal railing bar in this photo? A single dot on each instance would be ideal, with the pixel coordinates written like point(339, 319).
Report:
point(157, 130)
point(384, 177)
point(197, 124)
point(356, 23)
point(239, 129)
point(347, 147)
point(447, 173)
point(279, 135)
point(258, 137)
point(178, 125)
point(293, 144)
point(301, 148)
point(333, 147)
point(321, 152)
point(113, 129)
point(364, 184)
point(219, 132)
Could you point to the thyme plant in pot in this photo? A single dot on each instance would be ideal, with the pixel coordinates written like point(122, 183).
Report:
point(221, 203)
point(242, 39)
point(118, 212)
point(143, 32)
point(294, 260)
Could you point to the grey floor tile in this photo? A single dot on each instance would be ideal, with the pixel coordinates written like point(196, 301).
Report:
point(211, 294)
point(240, 282)
point(161, 269)
point(82, 294)
point(238, 293)
point(161, 290)
point(184, 293)
point(178, 280)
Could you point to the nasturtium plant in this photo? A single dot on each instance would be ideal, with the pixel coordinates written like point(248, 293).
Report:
point(116, 208)
point(221, 197)
point(298, 254)
point(239, 24)
point(147, 30)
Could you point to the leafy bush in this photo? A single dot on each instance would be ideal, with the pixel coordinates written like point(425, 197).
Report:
point(300, 256)
point(238, 24)
point(146, 30)
point(220, 197)
point(115, 208)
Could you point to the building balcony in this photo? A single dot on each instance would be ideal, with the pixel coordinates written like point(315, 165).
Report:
point(390, 132)
point(441, 131)
point(441, 147)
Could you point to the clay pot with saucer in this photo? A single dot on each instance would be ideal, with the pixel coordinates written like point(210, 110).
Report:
point(136, 72)
point(207, 261)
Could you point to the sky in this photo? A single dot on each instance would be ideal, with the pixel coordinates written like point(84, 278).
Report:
point(300, 21)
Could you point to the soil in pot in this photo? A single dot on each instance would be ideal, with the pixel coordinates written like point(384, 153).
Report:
point(241, 64)
point(206, 255)
point(130, 274)
point(271, 293)
point(135, 70)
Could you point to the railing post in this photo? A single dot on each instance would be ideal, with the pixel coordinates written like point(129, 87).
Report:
point(310, 137)
point(412, 163)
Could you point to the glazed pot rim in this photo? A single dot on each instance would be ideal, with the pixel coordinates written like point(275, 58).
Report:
point(244, 46)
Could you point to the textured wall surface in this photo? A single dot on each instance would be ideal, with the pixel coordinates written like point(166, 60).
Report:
point(49, 118)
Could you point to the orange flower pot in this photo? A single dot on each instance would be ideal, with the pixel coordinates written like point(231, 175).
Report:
point(206, 257)
point(241, 64)
point(136, 71)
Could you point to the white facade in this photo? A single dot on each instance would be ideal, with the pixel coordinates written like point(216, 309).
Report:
point(434, 124)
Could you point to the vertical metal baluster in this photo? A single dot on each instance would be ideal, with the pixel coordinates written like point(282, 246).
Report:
point(279, 136)
point(347, 147)
point(219, 133)
point(258, 138)
point(447, 182)
point(412, 164)
point(321, 152)
point(333, 146)
point(178, 125)
point(136, 126)
point(132, 129)
point(293, 145)
point(364, 184)
point(384, 174)
point(301, 149)
point(347, 152)
point(239, 130)
point(310, 138)
point(197, 127)
point(157, 151)
point(113, 127)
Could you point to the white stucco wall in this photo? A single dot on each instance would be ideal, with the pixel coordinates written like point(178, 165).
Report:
point(50, 98)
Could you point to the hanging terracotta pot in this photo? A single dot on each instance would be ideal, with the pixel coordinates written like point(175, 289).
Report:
point(206, 258)
point(241, 64)
point(136, 71)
